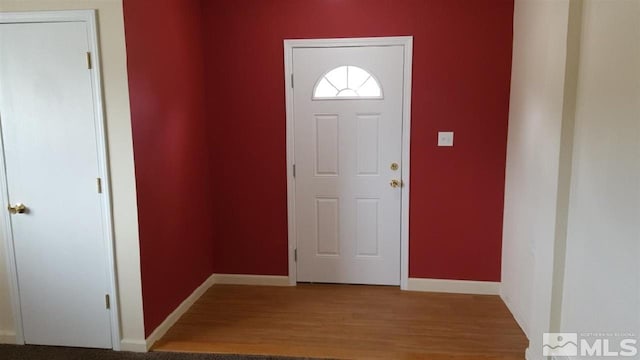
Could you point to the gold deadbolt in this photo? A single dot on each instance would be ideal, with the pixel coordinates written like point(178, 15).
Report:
point(395, 166)
point(395, 183)
point(17, 209)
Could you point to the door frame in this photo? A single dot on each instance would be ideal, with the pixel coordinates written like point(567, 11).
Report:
point(406, 42)
point(88, 17)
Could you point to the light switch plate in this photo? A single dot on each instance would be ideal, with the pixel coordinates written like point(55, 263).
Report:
point(445, 138)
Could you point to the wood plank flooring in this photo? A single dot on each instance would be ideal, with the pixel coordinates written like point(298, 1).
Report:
point(347, 322)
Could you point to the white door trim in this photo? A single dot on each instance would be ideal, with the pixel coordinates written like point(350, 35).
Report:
point(89, 17)
point(407, 43)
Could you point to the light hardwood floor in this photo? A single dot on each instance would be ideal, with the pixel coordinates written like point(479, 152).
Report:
point(347, 322)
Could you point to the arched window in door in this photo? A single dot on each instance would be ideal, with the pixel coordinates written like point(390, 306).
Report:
point(347, 82)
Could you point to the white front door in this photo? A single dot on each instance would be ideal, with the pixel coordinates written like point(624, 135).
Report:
point(51, 157)
point(348, 104)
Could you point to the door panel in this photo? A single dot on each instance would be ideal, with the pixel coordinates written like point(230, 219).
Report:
point(326, 141)
point(51, 158)
point(368, 144)
point(347, 215)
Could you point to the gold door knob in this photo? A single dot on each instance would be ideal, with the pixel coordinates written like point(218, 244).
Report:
point(17, 209)
point(395, 183)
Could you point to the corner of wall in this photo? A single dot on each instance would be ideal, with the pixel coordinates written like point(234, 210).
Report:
point(536, 176)
point(172, 318)
point(574, 33)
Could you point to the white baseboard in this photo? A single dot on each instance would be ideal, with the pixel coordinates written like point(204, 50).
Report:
point(228, 279)
point(454, 286)
point(7, 337)
point(264, 280)
point(133, 345)
point(178, 312)
point(523, 325)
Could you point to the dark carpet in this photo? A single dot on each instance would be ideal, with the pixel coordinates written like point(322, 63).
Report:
point(28, 352)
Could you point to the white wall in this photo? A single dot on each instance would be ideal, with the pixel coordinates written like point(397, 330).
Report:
point(602, 266)
point(118, 118)
point(534, 141)
point(571, 245)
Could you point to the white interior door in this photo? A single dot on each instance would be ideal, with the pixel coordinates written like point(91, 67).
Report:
point(347, 137)
point(51, 159)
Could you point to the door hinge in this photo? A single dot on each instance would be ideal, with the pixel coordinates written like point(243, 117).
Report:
point(107, 301)
point(292, 80)
point(89, 64)
point(294, 170)
point(295, 255)
point(99, 184)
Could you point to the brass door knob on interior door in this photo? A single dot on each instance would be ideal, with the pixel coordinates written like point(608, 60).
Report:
point(395, 183)
point(17, 209)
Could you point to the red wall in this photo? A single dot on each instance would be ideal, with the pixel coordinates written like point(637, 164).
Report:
point(208, 117)
point(461, 79)
point(170, 136)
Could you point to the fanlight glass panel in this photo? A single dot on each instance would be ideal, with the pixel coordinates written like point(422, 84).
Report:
point(347, 82)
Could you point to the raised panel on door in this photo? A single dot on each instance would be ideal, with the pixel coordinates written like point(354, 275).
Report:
point(368, 145)
point(368, 227)
point(327, 229)
point(51, 158)
point(326, 145)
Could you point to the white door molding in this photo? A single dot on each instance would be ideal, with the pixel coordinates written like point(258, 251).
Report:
point(406, 42)
point(89, 18)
